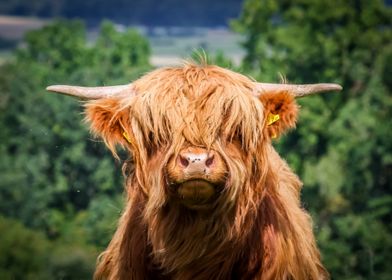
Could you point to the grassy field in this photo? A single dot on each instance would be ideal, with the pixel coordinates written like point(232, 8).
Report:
point(13, 28)
point(173, 48)
point(170, 46)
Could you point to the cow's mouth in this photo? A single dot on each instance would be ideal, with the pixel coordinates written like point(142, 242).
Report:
point(197, 193)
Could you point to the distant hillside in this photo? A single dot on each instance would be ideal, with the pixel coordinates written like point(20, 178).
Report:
point(13, 28)
point(142, 12)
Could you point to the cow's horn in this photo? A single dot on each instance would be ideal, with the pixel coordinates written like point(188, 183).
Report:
point(93, 92)
point(296, 90)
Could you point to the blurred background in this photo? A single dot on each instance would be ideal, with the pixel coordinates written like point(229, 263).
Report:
point(61, 190)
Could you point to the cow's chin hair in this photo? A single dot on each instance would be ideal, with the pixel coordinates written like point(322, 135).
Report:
point(180, 236)
point(256, 228)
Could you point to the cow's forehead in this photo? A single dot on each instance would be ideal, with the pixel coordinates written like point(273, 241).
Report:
point(192, 80)
point(199, 103)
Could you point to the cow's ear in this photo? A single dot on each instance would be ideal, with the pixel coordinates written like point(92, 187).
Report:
point(108, 120)
point(281, 111)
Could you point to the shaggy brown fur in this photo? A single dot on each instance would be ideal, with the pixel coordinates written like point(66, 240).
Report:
point(255, 229)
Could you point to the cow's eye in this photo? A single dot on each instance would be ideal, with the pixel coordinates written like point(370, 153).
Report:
point(236, 137)
point(151, 147)
point(150, 137)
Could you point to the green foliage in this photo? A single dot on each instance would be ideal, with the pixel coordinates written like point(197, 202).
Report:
point(27, 254)
point(23, 251)
point(52, 176)
point(61, 192)
point(70, 263)
point(341, 148)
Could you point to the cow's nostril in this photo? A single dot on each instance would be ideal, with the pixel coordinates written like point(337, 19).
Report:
point(209, 161)
point(184, 161)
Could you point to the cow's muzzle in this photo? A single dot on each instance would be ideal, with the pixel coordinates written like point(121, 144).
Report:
point(197, 177)
point(197, 193)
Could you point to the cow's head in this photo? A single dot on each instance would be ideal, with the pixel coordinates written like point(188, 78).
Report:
point(199, 135)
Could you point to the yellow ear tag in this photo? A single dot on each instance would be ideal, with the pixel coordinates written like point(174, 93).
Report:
point(272, 118)
point(126, 136)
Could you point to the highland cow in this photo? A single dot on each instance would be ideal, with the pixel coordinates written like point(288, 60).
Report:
point(207, 196)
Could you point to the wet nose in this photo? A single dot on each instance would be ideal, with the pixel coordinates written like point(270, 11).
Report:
point(196, 162)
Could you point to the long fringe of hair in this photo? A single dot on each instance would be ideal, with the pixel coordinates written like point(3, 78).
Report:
point(257, 228)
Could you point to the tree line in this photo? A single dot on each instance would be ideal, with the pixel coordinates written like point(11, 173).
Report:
point(142, 12)
point(60, 190)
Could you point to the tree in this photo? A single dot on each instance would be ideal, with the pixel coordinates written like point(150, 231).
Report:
point(23, 251)
point(342, 146)
point(53, 178)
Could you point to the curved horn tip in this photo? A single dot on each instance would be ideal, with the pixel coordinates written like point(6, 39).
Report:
point(337, 87)
point(52, 88)
point(63, 89)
